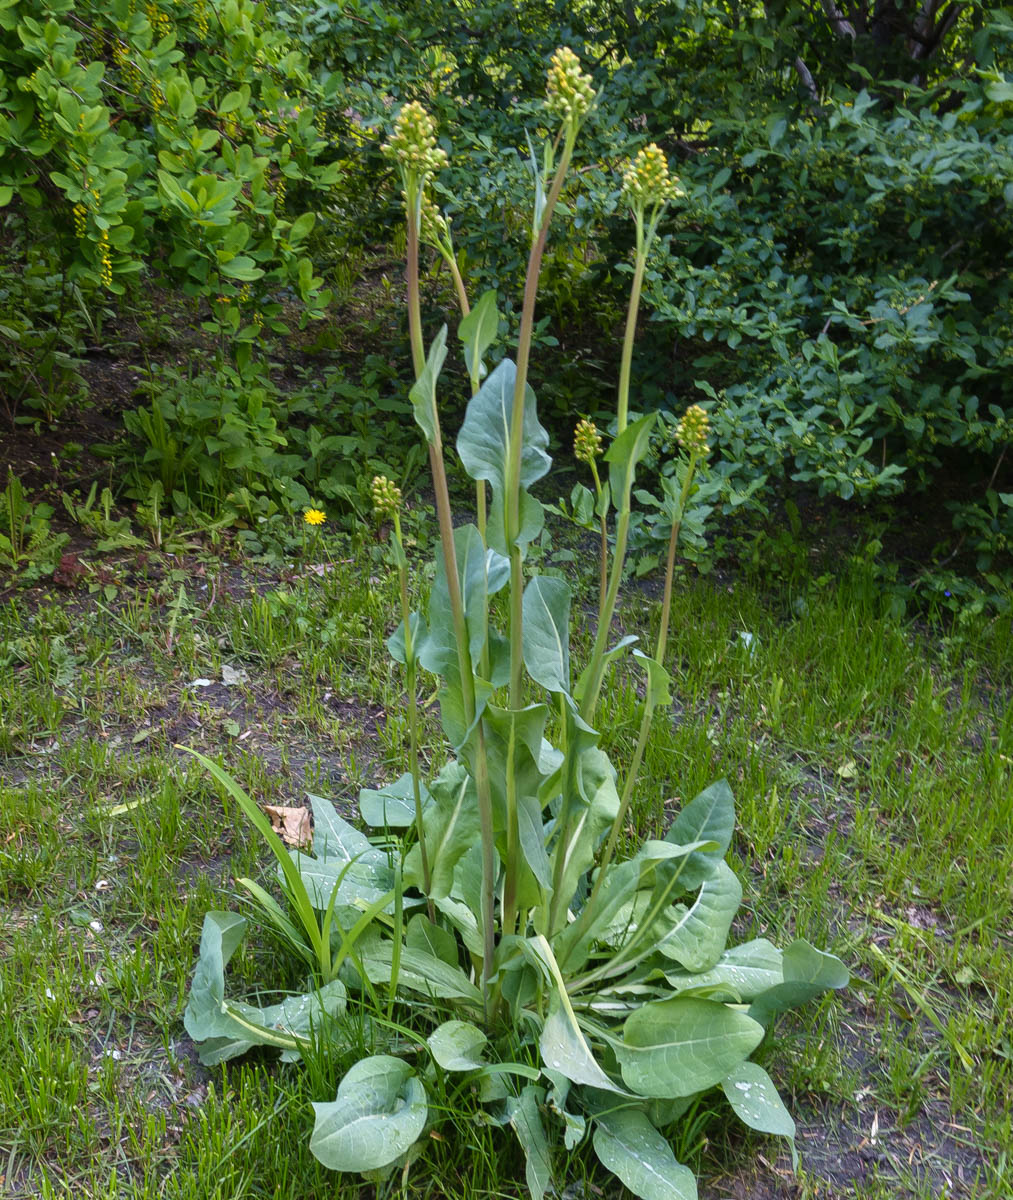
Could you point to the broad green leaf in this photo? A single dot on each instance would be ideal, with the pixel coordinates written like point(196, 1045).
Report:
point(575, 1125)
point(741, 973)
point(525, 1118)
point(698, 935)
point(379, 1112)
point(451, 825)
point(658, 680)
point(807, 973)
point(423, 935)
point(751, 1092)
point(573, 944)
point(630, 1147)
point(462, 907)
point(625, 454)
point(593, 805)
point(710, 816)
point(423, 391)
point(396, 643)
point(335, 839)
point(419, 972)
point(484, 439)
point(546, 613)
point(438, 651)
point(220, 937)
point(629, 640)
point(478, 331)
point(393, 806)
point(225, 1029)
point(516, 737)
point(359, 883)
point(483, 444)
point(458, 1045)
point(562, 1044)
point(680, 1046)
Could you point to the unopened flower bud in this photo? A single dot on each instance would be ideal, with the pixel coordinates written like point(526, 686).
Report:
point(413, 142)
point(646, 181)
point(586, 442)
point(693, 430)
point(386, 497)
point(568, 92)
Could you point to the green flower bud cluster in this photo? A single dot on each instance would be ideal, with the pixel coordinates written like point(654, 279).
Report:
point(386, 498)
point(586, 442)
point(413, 142)
point(646, 181)
point(568, 92)
point(693, 430)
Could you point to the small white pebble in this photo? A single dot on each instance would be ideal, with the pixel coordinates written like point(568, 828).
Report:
point(95, 926)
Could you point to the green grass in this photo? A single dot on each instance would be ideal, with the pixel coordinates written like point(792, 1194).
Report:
point(872, 763)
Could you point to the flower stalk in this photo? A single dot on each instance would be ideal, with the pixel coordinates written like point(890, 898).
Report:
point(413, 145)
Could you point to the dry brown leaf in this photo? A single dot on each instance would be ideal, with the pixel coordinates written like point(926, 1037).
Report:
point(292, 825)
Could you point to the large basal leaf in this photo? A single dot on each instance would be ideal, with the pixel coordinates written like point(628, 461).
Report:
point(423, 391)
point(546, 611)
point(478, 331)
point(419, 972)
point(573, 944)
point(393, 806)
point(751, 1092)
point(429, 938)
point(524, 1115)
point(741, 973)
point(574, 1124)
point(698, 934)
point(807, 973)
point(226, 1029)
point(635, 1152)
point(220, 937)
point(458, 1046)
point(379, 1112)
point(680, 1046)
point(359, 883)
point(710, 816)
point(562, 1043)
point(334, 839)
point(452, 827)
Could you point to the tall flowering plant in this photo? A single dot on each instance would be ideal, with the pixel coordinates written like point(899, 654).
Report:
point(587, 997)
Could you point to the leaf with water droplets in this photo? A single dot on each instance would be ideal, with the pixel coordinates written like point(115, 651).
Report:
point(751, 1092)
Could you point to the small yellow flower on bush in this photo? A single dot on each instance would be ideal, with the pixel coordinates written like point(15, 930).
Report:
point(314, 516)
point(568, 91)
point(693, 430)
point(386, 497)
point(586, 442)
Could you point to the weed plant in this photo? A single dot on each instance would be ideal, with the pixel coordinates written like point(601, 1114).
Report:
point(581, 996)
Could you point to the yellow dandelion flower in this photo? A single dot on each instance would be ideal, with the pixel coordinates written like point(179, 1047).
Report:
point(314, 516)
